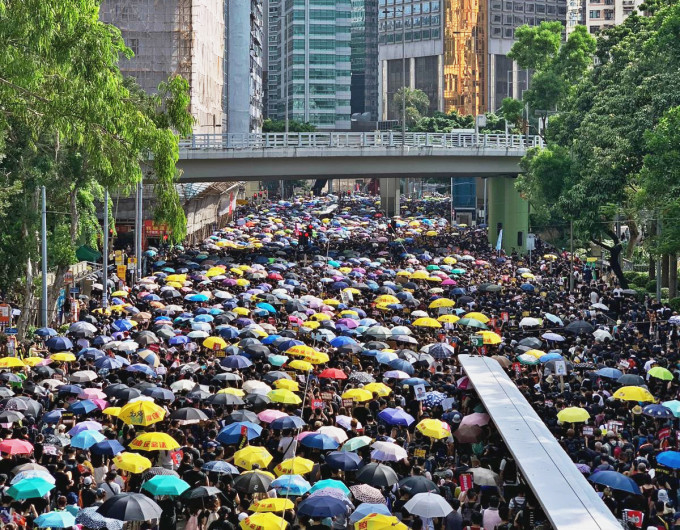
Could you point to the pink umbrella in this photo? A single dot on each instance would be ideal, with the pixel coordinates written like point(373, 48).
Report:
point(463, 383)
point(92, 393)
point(449, 281)
point(476, 418)
point(349, 322)
point(303, 434)
point(101, 403)
point(16, 447)
point(269, 415)
point(296, 320)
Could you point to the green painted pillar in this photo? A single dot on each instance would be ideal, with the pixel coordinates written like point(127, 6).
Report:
point(509, 211)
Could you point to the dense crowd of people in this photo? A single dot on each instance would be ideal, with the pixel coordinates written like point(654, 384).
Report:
point(252, 383)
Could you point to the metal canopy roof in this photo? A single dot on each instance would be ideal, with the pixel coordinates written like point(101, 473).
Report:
point(567, 498)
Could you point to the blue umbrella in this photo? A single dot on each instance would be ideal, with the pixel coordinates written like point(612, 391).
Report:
point(396, 417)
point(52, 416)
point(157, 392)
point(287, 422)
point(91, 353)
point(55, 520)
point(109, 363)
point(196, 298)
point(267, 307)
point(221, 467)
point(527, 287)
point(236, 362)
point(267, 340)
point(143, 368)
point(610, 373)
point(555, 337)
point(319, 441)
point(232, 433)
point(287, 344)
point(322, 506)
point(107, 447)
point(229, 333)
point(330, 483)
point(343, 460)
point(403, 365)
point(204, 318)
point(277, 360)
point(122, 325)
point(554, 319)
point(366, 509)
point(59, 343)
point(413, 381)
point(615, 481)
point(291, 485)
point(151, 298)
point(86, 439)
point(658, 411)
point(337, 342)
point(669, 459)
point(45, 332)
point(82, 407)
point(551, 356)
point(178, 340)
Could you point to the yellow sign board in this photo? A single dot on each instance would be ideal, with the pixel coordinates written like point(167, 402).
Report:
point(121, 270)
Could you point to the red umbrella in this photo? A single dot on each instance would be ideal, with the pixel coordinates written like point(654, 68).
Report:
point(333, 373)
point(274, 276)
point(16, 447)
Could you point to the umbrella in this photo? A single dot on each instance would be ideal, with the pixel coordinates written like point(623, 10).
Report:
point(573, 415)
point(254, 481)
point(90, 518)
point(220, 467)
point(610, 373)
point(616, 481)
point(201, 492)
point(469, 434)
point(633, 393)
point(356, 443)
point(263, 521)
point(233, 432)
point(343, 460)
point(165, 485)
point(579, 327)
point(291, 485)
point(483, 476)
point(319, 441)
point(322, 506)
point(417, 484)
point(378, 475)
point(378, 521)
point(388, 452)
point(154, 441)
point(16, 447)
point(657, 411)
point(669, 459)
point(366, 493)
point(367, 508)
point(132, 462)
point(107, 447)
point(86, 439)
point(130, 507)
point(55, 520)
point(661, 373)
point(330, 484)
point(428, 505)
point(631, 380)
point(30, 488)
point(272, 505)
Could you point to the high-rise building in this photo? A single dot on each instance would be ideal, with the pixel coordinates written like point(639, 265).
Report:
point(410, 52)
point(364, 58)
point(244, 35)
point(603, 14)
point(575, 14)
point(175, 37)
point(309, 68)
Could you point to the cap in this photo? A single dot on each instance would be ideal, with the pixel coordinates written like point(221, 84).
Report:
point(448, 474)
point(87, 481)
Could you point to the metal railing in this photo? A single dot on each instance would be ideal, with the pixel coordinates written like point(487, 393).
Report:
point(327, 140)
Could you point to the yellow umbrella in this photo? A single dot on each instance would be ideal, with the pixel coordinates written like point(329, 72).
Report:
point(528, 276)
point(215, 343)
point(154, 441)
point(263, 521)
point(442, 302)
point(120, 294)
point(378, 388)
point(33, 361)
point(287, 384)
point(490, 337)
point(112, 411)
point(131, 462)
point(233, 391)
point(449, 319)
point(242, 282)
point(252, 455)
point(275, 504)
point(318, 357)
point(426, 322)
point(420, 275)
point(358, 394)
point(141, 413)
point(64, 357)
point(434, 279)
point(432, 428)
point(403, 273)
point(11, 362)
point(431, 233)
point(535, 353)
point(294, 466)
point(179, 278)
point(387, 299)
point(320, 317)
point(236, 271)
point(449, 260)
point(349, 312)
point(332, 301)
point(301, 350)
point(352, 290)
point(303, 366)
point(573, 415)
point(379, 521)
point(102, 311)
point(241, 311)
point(282, 395)
point(311, 324)
point(633, 393)
point(478, 316)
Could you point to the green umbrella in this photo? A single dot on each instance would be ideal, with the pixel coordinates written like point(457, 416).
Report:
point(165, 485)
point(432, 268)
point(527, 359)
point(30, 488)
point(458, 271)
point(356, 443)
point(661, 373)
point(471, 323)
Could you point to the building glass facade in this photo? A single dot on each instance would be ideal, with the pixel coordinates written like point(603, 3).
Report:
point(364, 59)
point(309, 62)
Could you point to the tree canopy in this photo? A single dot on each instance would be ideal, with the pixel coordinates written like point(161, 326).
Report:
point(279, 126)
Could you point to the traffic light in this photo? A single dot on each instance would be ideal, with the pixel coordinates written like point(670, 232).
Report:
point(310, 231)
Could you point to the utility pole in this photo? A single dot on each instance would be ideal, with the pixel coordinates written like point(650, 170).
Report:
point(43, 245)
point(105, 252)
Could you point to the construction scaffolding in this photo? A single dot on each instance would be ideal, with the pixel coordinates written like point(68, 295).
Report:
point(175, 37)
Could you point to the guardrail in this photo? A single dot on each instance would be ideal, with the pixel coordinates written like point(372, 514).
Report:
point(321, 140)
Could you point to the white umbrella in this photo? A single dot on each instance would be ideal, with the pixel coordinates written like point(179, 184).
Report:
point(250, 386)
point(388, 452)
point(602, 334)
point(128, 346)
point(182, 384)
point(346, 422)
point(336, 433)
point(529, 322)
point(483, 476)
point(599, 306)
point(420, 314)
point(83, 376)
point(428, 505)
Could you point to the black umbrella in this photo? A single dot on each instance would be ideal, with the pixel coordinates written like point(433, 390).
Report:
point(111, 390)
point(631, 380)
point(33, 408)
point(198, 394)
point(418, 484)
point(257, 400)
point(579, 327)
point(126, 394)
point(350, 349)
point(201, 492)
point(155, 471)
point(376, 345)
point(377, 475)
point(225, 399)
point(8, 392)
point(275, 375)
point(91, 519)
point(531, 342)
point(256, 350)
point(252, 482)
point(9, 377)
point(188, 415)
point(241, 415)
point(130, 507)
point(146, 337)
point(10, 416)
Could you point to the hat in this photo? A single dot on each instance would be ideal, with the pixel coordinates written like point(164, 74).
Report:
point(637, 409)
point(244, 515)
point(87, 481)
point(448, 474)
point(72, 498)
point(663, 496)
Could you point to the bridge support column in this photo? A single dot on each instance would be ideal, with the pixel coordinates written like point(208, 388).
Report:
point(509, 211)
point(389, 196)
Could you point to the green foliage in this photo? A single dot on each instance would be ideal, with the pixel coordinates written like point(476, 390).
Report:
point(279, 126)
point(650, 286)
point(674, 304)
point(452, 121)
point(535, 46)
point(417, 104)
point(512, 109)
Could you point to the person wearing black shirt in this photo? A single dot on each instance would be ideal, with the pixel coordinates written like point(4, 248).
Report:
point(195, 477)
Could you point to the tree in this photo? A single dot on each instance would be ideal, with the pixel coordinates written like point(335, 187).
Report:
point(279, 126)
point(72, 123)
point(513, 111)
point(417, 104)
